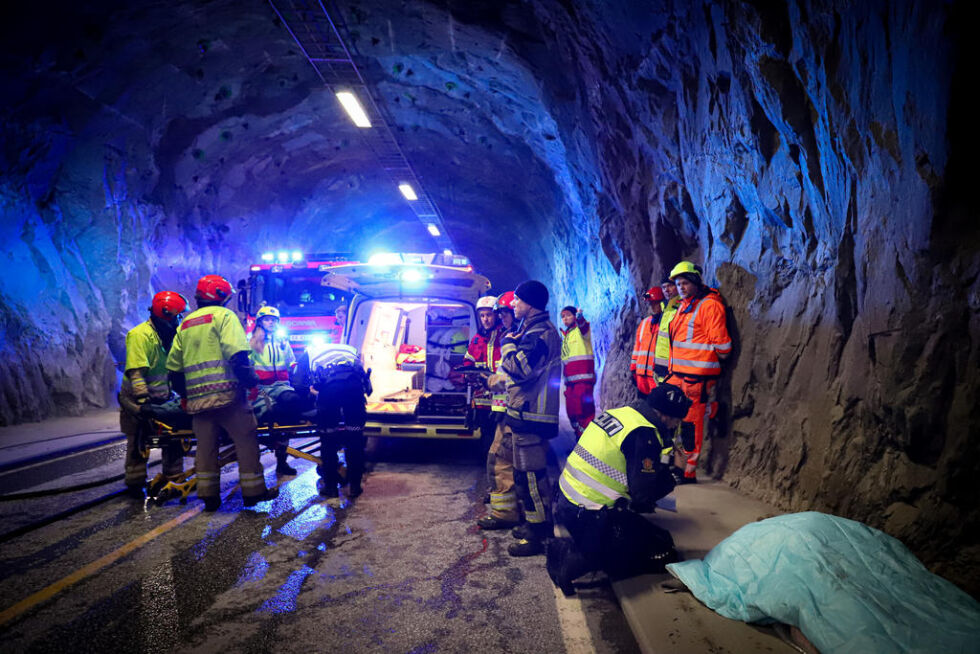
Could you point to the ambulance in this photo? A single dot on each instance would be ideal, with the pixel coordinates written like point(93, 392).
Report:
point(412, 316)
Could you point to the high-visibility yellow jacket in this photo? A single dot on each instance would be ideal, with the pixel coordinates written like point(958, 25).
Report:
point(596, 472)
point(275, 362)
point(661, 361)
point(144, 350)
point(698, 334)
point(205, 342)
point(577, 357)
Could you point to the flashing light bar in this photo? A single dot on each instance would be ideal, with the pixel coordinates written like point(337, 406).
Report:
point(448, 253)
point(408, 191)
point(297, 255)
point(353, 108)
point(411, 276)
point(283, 257)
point(384, 259)
point(433, 229)
point(267, 256)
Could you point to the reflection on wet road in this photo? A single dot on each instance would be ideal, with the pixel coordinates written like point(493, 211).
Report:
point(402, 568)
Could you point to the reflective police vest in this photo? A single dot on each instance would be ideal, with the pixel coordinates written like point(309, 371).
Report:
point(698, 334)
point(144, 349)
point(595, 472)
point(205, 342)
point(577, 358)
point(661, 361)
point(274, 362)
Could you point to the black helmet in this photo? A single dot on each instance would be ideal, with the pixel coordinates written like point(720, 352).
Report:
point(669, 400)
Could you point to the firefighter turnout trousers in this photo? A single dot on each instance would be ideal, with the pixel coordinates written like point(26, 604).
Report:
point(704, 408)
point(342, 402)
point(238, 421)
point(500, 469)
point(172, 454)
point(525, 453)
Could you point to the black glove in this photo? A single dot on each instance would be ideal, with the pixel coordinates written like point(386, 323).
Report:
point(244, 372)
point(178, 382)
point(642, 507)
point(147, 410)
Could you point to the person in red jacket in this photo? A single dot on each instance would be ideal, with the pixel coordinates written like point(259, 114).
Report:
point(484, 352)
point(699, 342)
point(644, 346)
point(578, 369)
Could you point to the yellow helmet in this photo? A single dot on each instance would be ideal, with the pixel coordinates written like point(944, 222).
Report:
point(684, 267)
point(267, 311)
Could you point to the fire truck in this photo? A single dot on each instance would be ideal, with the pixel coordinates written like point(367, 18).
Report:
point(410, 315)
point(290, 282)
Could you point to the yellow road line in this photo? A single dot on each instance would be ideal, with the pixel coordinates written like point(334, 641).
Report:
point(82, 573)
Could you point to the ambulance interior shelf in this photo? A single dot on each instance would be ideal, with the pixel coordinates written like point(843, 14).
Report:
point(411, 348)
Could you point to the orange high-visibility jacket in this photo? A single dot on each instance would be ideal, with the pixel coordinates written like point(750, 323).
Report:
point(641, 363)
point(698, 335)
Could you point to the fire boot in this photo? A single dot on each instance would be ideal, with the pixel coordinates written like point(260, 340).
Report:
point(282, 467)
point(269, 494)
point(565, 564)
point(540, 532)
point(522, 532)
point(490, 523)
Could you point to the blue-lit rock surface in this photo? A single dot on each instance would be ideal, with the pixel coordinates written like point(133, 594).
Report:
point(806, 153)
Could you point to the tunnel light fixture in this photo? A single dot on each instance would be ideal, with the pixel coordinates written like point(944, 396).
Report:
point(408, 191)
point(353, 108)
point(433, 229)
point(267, 256)
point(283, 257)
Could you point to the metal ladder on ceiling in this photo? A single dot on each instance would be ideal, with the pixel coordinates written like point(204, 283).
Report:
point(320, 36)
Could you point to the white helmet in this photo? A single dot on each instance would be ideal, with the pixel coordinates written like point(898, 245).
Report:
point(487, 302)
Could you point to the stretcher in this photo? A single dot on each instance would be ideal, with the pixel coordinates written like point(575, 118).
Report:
point(155, 433)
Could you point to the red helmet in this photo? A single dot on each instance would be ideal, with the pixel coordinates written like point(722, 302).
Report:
point(505, 301)
point(655, 294)
point(213, 288)
point(167, 305)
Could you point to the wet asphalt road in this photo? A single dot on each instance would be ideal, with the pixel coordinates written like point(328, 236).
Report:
point(401, 569)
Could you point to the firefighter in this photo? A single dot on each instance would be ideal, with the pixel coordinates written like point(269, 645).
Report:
point(274, 399)
point(209, 367)
point(500, 474)
point(578, 368)
point(145, 389)
point(699, 342)
point(531, 359)
point(619, 469)
point(641, 362)
point(484, 353)
point(342, 386)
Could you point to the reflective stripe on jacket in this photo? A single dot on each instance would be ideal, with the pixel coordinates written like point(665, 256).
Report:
point(595, 472)
point(698, 335)
point(577, 357)
point(144, 349)
point(485, 350)
point(205, 342)
point(274, 362)
point(532, 360)
point(661, 361)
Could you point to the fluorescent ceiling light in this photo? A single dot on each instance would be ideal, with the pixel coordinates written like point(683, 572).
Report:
point(353, 108)
point(433, 229)
point(408, 191)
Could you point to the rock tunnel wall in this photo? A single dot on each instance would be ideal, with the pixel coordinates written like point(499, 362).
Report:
point(812, 155)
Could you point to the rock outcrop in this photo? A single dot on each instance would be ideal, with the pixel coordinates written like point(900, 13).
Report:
point(813, 156)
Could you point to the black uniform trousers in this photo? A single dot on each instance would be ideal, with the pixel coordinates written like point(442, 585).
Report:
point(618, 541)
point(341, 415)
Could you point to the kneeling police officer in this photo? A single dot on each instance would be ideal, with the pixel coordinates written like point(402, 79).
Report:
point(618, 469)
